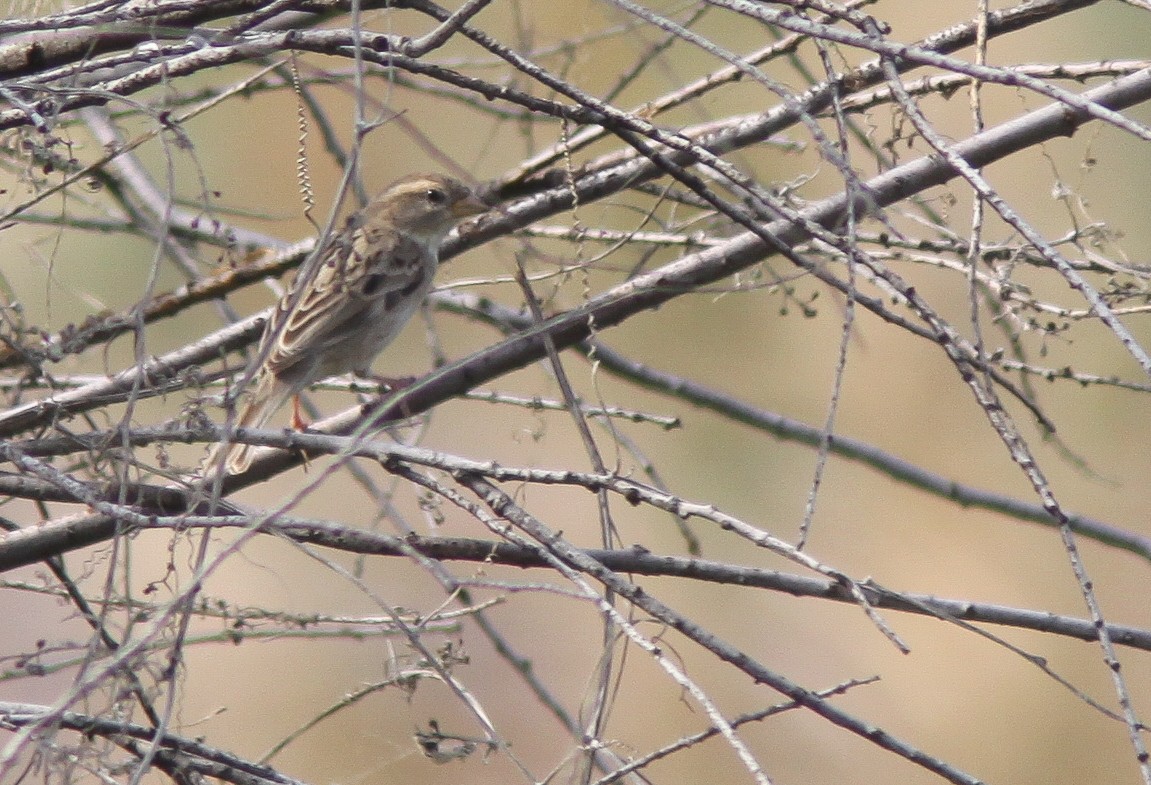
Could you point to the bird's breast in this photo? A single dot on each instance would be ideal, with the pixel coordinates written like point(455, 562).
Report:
point(387, 313)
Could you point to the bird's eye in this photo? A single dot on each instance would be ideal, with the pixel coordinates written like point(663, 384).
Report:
point(436, 196)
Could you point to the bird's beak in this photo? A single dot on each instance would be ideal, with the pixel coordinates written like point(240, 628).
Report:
point(469, 205)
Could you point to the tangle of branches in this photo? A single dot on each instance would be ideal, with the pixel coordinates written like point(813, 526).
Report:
point(770, 297)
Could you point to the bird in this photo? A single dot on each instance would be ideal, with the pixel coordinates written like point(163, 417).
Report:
point(350, 300)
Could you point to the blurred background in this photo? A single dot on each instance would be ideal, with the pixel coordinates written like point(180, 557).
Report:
point(961, 697)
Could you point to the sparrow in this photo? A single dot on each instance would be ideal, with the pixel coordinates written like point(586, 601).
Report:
point(351, 299)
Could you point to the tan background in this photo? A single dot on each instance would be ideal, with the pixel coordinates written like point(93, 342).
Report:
point(957, 696)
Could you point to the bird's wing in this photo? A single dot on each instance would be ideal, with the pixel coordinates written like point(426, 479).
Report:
point(361, 264)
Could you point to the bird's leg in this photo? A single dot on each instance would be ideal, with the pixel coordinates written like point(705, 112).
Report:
point(386, 384)
point(298, 422)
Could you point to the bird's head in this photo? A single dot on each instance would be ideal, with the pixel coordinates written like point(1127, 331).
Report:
point(427, 205)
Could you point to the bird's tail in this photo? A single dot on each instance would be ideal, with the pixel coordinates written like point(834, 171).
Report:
point(267, 394)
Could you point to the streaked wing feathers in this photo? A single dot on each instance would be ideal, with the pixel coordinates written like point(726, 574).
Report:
point(360, 265)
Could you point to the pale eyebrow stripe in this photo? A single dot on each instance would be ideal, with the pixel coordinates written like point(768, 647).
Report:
point(418, 185)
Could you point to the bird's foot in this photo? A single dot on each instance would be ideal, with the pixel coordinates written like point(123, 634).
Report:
point(390, 384)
